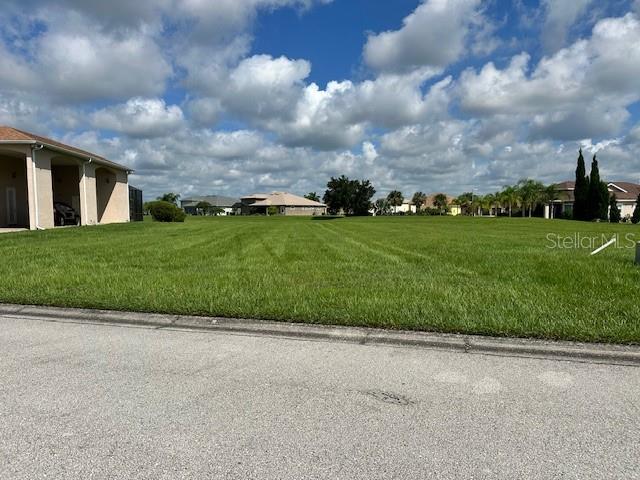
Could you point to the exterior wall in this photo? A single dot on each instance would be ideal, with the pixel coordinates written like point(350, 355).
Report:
point(112, 195)
point(626, 209)
point(72, 185)
point(302, 211)
point(455, 210)
point(13, 174)
point(43, 183)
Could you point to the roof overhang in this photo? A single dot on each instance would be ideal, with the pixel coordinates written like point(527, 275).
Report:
point(71, 153)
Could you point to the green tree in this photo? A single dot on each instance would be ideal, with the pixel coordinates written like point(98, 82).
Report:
point(614, 212)
point(441, 203)
point(598, 195)
point(548, 195)
point(531, 193)
point(271, 211)
point(203, 208)
point(382, 206)
point(510, 197)
point(352, 197)
point(395, 199)
point(635, 218)
point(338, 195)
point(313, 196)
point(363, 193)
point(465, 201)
point(581, 190)
point(418, 200)
point(170, 197)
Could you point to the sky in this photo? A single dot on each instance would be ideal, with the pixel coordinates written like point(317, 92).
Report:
point(233, 97)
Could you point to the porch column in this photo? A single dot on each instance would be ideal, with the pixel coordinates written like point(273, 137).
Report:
point(31, 192)
point(88, 199)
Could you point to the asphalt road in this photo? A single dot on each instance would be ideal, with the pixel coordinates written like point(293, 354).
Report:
point(100, 401)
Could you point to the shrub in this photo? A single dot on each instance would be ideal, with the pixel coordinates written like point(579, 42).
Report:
point(166, 212)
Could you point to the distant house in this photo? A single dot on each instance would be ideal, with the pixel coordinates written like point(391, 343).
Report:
point(626, 194)
point(453, 208)
point(407, 207)
point(227, 204)
point(284, 203)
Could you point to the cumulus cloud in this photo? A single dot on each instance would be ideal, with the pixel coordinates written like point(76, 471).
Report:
point(581, 90)
point(140, 117)
point(75, 60)
point(172, 89)
point(433, 35)
point(560, 16)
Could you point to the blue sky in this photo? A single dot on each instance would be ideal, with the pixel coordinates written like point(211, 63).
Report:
point(237, 96)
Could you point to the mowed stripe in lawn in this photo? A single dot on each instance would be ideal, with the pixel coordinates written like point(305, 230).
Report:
point(491, 276)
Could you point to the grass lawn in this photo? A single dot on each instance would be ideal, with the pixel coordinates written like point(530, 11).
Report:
point(468, 275)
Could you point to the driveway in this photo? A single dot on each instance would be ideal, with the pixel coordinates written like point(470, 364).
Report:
point(101, 401)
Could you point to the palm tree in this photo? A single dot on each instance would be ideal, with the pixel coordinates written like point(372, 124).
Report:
point(313, 196)
point(170, 197)
point(418, 200)
point(488, 202)
point(395, 199)
point(440, 202)
point(510, 196)
point(531, 193)
point(465, 202)
point(551, 194)
point(382, 206)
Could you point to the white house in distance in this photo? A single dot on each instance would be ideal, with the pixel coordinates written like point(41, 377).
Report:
point(626, 194)
point(36, 171)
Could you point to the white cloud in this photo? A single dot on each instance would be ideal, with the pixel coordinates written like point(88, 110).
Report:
point(74, 60)
point(560, 16)
point(593, 77)
point(433, 35)
point(140, 117)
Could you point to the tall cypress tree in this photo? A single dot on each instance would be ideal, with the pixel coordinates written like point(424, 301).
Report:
point(598, 195)
point(635, 218)
point(614, 212)
point(581, 192)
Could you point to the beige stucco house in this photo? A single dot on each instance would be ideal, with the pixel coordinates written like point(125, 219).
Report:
point(626, 195)
point(36, 171)
point(284, 203)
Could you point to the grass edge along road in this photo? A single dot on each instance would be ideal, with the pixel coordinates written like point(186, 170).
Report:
point(502, 277)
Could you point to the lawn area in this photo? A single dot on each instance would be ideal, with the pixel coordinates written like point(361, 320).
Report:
point(467, 275)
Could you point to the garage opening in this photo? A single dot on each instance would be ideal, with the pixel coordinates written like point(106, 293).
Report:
point(105, 184)
point(65, 179)
point(14, 197)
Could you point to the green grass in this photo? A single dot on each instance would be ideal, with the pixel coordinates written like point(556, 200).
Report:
point(480, 276)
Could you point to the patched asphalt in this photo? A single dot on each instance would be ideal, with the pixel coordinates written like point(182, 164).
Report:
point(80, 400)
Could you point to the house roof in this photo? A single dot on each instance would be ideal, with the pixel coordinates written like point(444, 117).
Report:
point(284, 199)
point(624, 191)
point(428, 202)
point(13, 135)
point(213, 200)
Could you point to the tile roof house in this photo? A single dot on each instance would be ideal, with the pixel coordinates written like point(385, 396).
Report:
point(454, 209)
point(37, 174)
point(285, 203)
point(626, 194)
point(227, 204)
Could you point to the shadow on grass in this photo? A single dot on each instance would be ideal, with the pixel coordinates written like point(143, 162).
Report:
point(328, 217)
